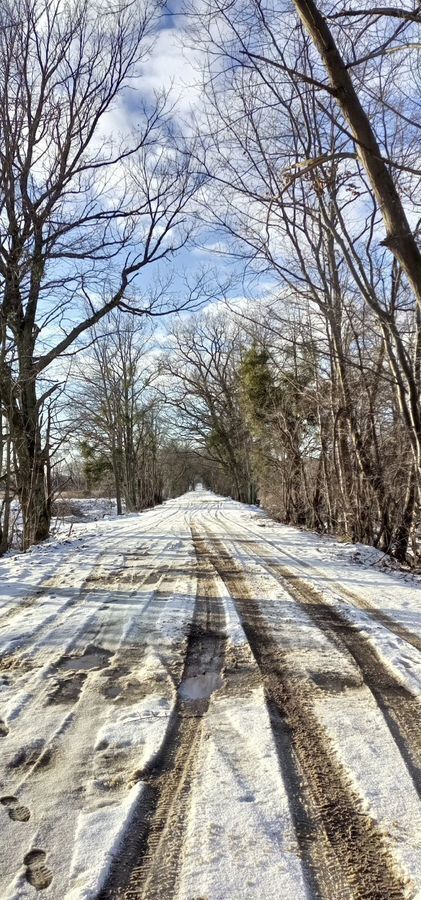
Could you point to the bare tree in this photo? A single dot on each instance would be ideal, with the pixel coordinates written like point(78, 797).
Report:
point(400, 237)
point(117, 409)
point(85, 206)
point(295, 198)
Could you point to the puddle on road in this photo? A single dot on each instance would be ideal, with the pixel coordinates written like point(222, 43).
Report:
point(200, 687)
point(93, 658)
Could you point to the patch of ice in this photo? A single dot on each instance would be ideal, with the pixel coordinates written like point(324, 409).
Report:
point(199, 687)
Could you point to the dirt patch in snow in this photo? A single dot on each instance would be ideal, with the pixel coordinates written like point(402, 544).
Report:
point(148, 864)
point(92, 658)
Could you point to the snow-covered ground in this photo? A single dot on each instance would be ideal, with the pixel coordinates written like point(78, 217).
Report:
point(66, 512)
point(197, 702)
point(73, 509)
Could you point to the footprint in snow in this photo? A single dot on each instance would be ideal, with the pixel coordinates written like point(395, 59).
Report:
point(17, 812)
point(37, 872)
point(3, 729)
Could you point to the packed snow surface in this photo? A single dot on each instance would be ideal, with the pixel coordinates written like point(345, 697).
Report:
point(178, 689)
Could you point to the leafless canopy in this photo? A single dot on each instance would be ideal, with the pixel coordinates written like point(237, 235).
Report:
point(92, 190)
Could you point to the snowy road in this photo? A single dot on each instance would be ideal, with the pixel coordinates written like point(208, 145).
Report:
point(197, 703)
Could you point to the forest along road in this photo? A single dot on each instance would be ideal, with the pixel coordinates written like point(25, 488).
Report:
point(199, 703)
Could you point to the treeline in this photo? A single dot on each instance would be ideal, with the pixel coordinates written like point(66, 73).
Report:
point(311, 144)
point(317, 439)
point(124, 445)
point(301, 167)
point(106, 433)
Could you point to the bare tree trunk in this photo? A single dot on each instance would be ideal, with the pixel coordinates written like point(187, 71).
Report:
point(5, 508)
point(400, 238)
point(116, 460)
point(33, 497)
point(403, 533)
point(31, 476)
point(325, 468)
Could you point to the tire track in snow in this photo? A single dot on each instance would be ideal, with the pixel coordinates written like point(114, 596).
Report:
point(66, 724)
point(149, 862)
point(88, 617)
point(339, 836)
point(379, 616)
point(365, 606)
point(401, 631)
point(400, 708)
point(64, 577)
point(307, 832)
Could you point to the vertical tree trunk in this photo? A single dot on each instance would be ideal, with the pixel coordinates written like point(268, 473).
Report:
point(130, 481)
point(403, 533)
point(33, 498)
point(327, 478)
point(26, 434)
point(117, 480)
point(5, 511)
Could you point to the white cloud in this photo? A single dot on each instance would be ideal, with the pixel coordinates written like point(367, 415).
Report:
point(173, 65)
